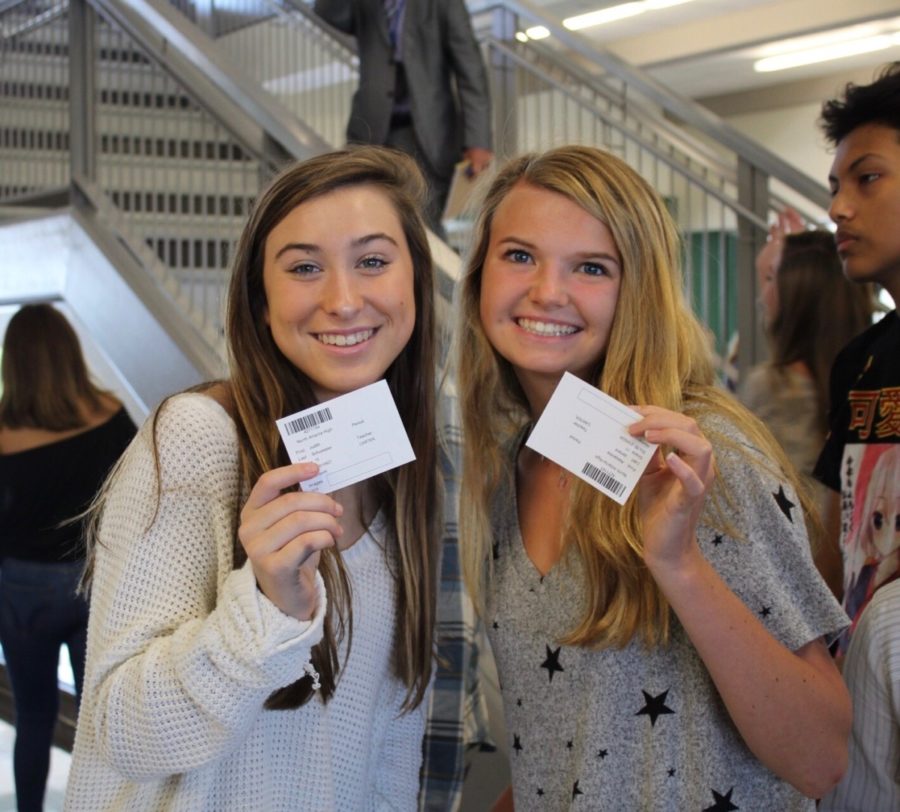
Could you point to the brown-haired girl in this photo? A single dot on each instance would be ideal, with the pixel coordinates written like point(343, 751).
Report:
point(60, 435)
point(252, 646)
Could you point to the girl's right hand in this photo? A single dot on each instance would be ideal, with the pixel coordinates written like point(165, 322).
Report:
point(284, 533)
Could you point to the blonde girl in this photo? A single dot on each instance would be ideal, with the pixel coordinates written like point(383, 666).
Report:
point(668, 654)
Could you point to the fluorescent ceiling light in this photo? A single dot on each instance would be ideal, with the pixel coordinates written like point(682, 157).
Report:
point(538, 32)
point(825, 53)
point(602, 16)
point(833, 37)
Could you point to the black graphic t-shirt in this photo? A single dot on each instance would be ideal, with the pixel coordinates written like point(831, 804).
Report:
point(638, 728)
point(861, 460)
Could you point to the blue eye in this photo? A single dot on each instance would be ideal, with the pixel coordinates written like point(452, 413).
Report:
point(373, 263)
point(593, 269)
point(304, 268)
point(518, 256)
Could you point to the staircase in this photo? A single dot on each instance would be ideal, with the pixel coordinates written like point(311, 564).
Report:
point(157, 124)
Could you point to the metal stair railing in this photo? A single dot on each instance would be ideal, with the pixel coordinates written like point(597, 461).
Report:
point(162, 124)
point(720, 186)
point(142, 125)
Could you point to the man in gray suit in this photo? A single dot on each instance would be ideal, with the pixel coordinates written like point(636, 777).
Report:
point(423, 85)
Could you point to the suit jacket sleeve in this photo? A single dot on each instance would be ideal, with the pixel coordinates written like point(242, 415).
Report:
point(471, 75)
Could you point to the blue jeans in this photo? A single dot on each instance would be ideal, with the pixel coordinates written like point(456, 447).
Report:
point(39, 611)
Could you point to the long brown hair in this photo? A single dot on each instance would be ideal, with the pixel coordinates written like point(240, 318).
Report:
point(657, 353)
point(819, 310)
point(265, 385)
point(46, 383)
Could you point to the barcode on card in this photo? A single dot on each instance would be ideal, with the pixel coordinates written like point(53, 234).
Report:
point(308, 421)
point(602, 478)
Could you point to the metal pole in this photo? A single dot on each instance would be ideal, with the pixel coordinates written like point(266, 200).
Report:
point(82, 84)
point(753, 194)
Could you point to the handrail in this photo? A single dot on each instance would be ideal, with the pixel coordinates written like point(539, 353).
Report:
point(163, 30)
point(8, 5)
point(686, 110)
point(33, 23)
point(700, 183)
point(345, 39)
point(689, 146)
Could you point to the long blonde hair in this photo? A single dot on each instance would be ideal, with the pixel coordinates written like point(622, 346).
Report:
point(658, 353)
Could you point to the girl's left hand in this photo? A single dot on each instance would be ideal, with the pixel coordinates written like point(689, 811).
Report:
point(672, 490)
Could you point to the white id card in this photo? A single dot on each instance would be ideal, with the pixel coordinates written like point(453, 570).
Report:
point(351, 438)
point(584, 430)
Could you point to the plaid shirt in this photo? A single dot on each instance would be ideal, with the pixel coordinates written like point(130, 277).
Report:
point(457, 717)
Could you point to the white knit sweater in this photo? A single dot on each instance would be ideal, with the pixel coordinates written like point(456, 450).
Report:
point(183, 651)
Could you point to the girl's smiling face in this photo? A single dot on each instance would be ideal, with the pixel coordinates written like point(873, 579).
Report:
point(339, 283)
point(549, 288)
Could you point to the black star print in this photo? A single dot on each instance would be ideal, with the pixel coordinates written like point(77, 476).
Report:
point(765, 611)
point(576, 791)
point(552, 662)
point(602, 753)
point(570, 744)
point(717, 539)
point(496, 625)
point(517, 745)
point(671, 772)
point(519, 702)
point(655, 706)
point(722, 802)
point(540, 791)
point(784, 503)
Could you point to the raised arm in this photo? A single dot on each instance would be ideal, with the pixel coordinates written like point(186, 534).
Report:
point(790, 706)
point(183, 650)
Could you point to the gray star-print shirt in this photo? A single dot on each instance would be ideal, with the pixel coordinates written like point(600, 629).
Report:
point(637, 728)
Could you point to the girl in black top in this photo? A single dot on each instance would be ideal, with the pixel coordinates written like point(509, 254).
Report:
point(59, 437)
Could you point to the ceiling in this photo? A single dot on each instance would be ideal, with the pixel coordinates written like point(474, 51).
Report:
point(705, 49)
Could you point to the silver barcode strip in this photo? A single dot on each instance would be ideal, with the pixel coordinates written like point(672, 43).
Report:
point(603, 478)
point(308, 421)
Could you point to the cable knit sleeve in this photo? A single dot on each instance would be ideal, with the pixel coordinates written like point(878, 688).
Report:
point(183, 649)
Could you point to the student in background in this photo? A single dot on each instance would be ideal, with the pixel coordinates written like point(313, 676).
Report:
point(423, 86)
point(253, 646)
point(810, 311)
point(670, 653)
point(860, 462)
point(59, 436)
